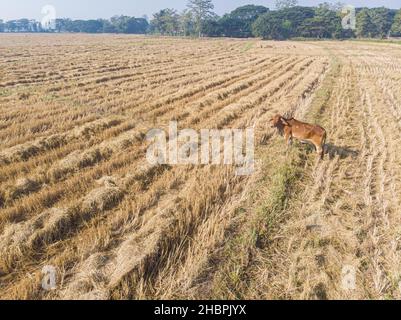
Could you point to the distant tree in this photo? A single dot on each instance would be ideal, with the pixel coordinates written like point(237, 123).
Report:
point(24, 25)
point(232, 27)
point(282, 24)
point(212, 28)
point(364, 25)
point(1, 26)
point(108, 27)
point(187, 24)
point(11, 26)
point(73, 25)
point(396, 27)
point(271, 25)
point(282, 4)
point(326, 23)
point(91, 26)
point(239, 22)
point(382, 19)
point(248, 12)
point(312, 28)
point(125, 24)
point(36, 26)
point(331, 18)
point(202, 11)
point(296, 16)
point(165, 22)
point(118, 23)
point(20, 25)
point(62, 25)
point(136, 26)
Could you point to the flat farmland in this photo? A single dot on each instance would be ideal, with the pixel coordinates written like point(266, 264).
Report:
point(78, 194)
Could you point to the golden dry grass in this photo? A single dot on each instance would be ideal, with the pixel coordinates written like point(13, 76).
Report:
point(76, 191)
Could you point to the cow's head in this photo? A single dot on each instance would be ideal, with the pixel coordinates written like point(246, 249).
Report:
point(278, 122)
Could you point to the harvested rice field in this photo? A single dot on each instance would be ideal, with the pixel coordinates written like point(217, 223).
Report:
point(78, 194)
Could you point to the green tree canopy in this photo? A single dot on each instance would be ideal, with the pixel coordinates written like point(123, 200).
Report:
point(165, 22)
point(125, 24)
point(239, 22)
point(296, 16)
point(382, 19)
point(272, 26)
point(187, 24)
point(248, 12)
point(364, 25)
point(396, 26)
point(202, 11)
point(212, 28)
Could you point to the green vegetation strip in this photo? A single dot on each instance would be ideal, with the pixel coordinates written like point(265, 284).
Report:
point(378, 41)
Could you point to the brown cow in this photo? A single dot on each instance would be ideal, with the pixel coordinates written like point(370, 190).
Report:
point(305, 132)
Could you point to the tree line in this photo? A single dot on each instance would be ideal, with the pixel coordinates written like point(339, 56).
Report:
point(288, 20)
point(117, 24)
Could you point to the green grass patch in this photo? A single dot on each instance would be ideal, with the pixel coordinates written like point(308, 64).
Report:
point(322, 95)
point(274, 190)
point(248, 46)
point(5, 92)
point(380, 41)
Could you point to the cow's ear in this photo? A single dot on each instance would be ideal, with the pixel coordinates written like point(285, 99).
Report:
point(284, 122)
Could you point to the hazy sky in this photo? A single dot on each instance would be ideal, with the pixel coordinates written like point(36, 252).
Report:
point(87, 9)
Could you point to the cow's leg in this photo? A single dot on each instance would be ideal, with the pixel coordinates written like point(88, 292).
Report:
point(288, 142)
point(323, 145)
point(288, 138)
point(320, 151)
